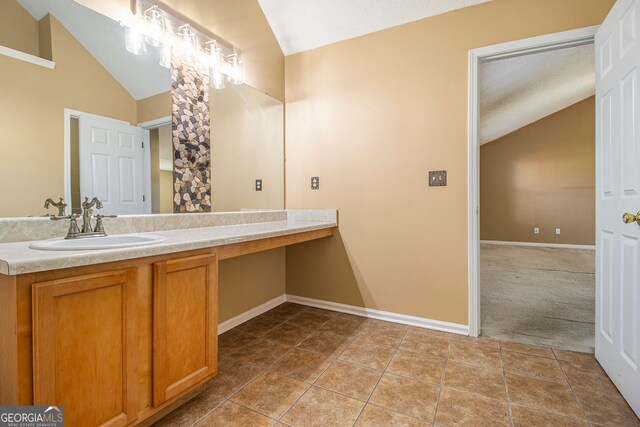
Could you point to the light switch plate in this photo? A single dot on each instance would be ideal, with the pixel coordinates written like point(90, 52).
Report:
point(557, 231)
point(315, 182)
point(258, 185)
point(437, 178)
point(536, 230)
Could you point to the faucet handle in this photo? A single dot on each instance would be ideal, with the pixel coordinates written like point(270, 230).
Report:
point(74, 230)
point(99, 226)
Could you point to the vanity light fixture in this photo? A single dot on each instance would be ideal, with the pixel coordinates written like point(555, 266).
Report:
point(135, 42)
point(153, 26)
point(236, 70)
point(165, 57)
point(156, 26)
point(216, 62)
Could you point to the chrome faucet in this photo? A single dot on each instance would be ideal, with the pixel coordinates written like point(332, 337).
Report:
point(87, 231)
point(87, 206)
point(61, 205)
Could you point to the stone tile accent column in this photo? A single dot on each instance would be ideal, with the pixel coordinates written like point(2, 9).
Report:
point(191, 138)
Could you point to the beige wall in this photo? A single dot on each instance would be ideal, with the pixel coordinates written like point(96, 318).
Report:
point(542, 175)
point(18, 29)
point(371, 116)
point(246, 144)
point(154, 107)
point(31, 115)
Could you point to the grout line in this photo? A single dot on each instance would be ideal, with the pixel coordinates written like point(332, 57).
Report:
point(444, 372)
point(573, 392)
point(384, 371)
point(506, 387)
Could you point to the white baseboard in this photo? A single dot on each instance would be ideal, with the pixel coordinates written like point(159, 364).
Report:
point(419, 322)
point(250, 314)
point(540, 245)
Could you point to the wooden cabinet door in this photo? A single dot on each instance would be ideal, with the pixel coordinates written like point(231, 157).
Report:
point(185, 324)
point(84, 347)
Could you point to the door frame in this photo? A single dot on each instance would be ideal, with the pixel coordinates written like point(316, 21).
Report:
point(548, 42)
point(75, 114)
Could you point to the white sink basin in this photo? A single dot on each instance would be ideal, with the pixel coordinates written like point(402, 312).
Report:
point(96, 243)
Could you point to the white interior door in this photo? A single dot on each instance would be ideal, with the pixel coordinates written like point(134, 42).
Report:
point(112, 164)
point(618, 191)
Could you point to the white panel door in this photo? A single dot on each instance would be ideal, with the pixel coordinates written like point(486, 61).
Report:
point(618, 191)
point(112, 164)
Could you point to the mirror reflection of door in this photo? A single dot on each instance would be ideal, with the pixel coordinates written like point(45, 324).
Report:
point(110, 165)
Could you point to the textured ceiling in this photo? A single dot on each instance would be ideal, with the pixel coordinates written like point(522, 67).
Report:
point(104, 38)
point(301, 25)
point(518, 91)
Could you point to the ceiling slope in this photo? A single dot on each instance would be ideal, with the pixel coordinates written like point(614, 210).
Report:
point(518, 91)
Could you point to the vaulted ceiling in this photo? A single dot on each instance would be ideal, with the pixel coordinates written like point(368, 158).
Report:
point(518, 91)
point(301, 25)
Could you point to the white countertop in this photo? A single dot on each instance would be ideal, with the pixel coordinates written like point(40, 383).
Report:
point(17, 258)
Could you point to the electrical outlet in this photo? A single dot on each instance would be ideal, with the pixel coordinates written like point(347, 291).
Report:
point(315, 182)
point(258, 185)
point(437, 178)
point(557, 231)
point(536, 230)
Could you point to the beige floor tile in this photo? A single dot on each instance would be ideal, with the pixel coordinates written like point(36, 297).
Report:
point(322, 408)
point(262, 352)
point(270, 394)
point(533, 366)
point(231, 414)
point(574, 356)
point(587, 375)
point(232, 374)
point(288, 309)
point(312, 318)
point(192, 411)
point(288, 334)
point(232, 341)
point(606, 408)
point(381, 324)
point(427, 345)
point(542, 395)
point(472, 354)
point(482, 341)
point(344, 324)
point(431, 332)
point(302, 365)
point(525, 417)
point(353, 380)
point(488, 382)
point(326, 342)
point(369, 355)
point(533, 350)
point(260, 325)
point(381, 336)
point(375, 416)
point(459, 408)
point(414, 365)
point(407, 396)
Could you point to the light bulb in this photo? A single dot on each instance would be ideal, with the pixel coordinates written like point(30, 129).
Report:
point(216, 80)
point(188, 45)
point(236, 73)
point(156, 26)
point(135, 42)
point(165, 58)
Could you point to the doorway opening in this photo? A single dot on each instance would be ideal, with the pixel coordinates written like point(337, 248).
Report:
point(531, 263)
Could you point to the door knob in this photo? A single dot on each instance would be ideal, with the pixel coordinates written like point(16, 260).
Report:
point(629, 218)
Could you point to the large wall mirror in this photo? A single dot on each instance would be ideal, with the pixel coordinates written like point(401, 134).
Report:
point(98, 122)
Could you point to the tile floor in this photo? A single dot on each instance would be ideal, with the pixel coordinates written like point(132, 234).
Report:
point(300, 366)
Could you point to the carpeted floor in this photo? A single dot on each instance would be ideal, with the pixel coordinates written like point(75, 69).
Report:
point(534, 295)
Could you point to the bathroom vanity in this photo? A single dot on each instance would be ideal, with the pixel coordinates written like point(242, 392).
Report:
point(120, 336)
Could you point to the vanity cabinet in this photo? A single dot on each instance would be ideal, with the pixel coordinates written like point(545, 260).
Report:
point(185, 324)
point(84, 347)
point(117, 343)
